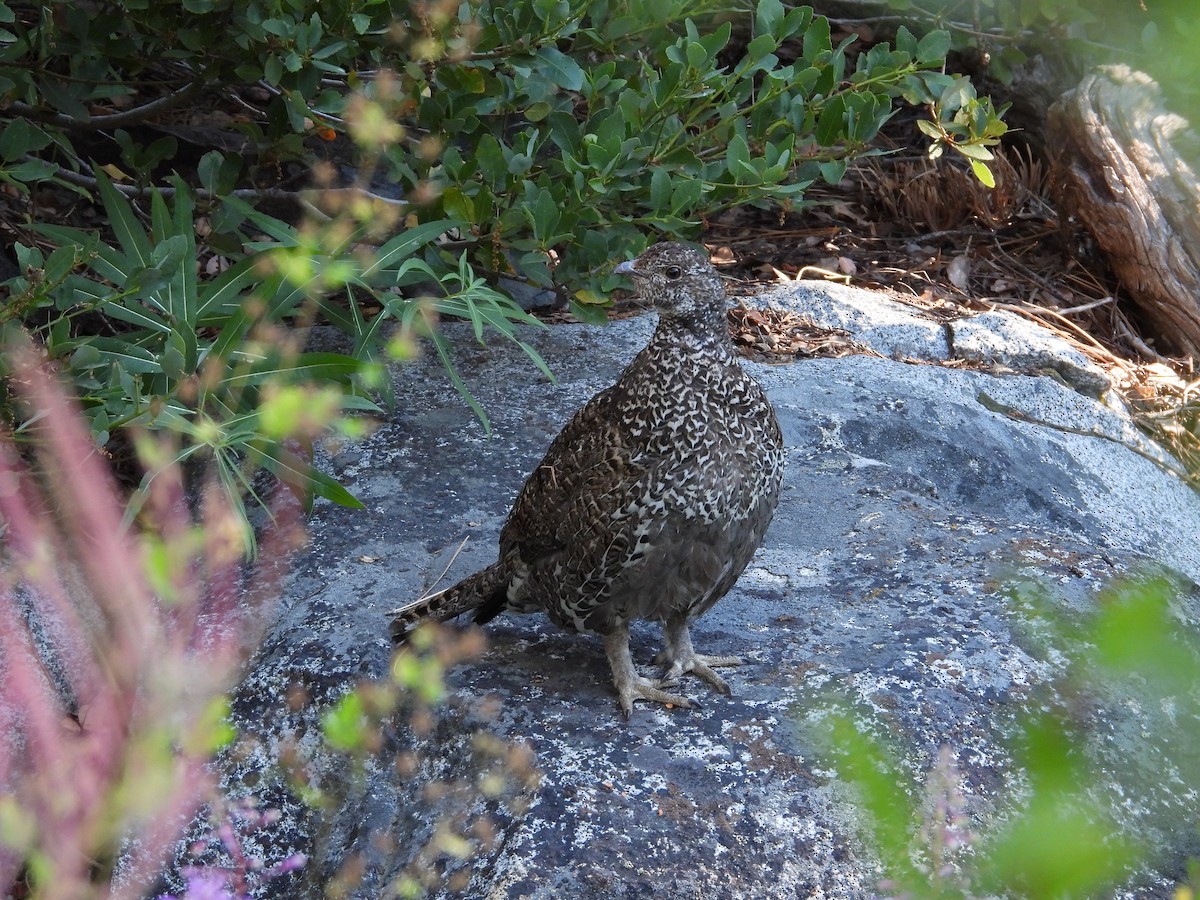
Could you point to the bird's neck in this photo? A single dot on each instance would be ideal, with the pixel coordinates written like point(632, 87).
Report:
point(700, 331)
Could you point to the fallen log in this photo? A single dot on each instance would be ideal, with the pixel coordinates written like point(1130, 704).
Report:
point(1125, 176)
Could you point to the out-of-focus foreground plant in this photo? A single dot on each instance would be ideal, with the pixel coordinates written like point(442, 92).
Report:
point(116, 648)
point(394, 720)
point(1061, 835)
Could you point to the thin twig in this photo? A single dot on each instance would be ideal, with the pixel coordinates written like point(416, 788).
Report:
point(1138, 344)
point(1103, 301)
point(306, 198)
point(429, 590)
point(113, 120)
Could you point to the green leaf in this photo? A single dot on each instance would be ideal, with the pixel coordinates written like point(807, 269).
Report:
point(490, 158)
point(559, 68)
point(208, 170)
point(906, 42)
point(933, 47)
point(407, 244)
point(305, 367)
point(930, 128)
point(59, 263)
point(174, 359)
point(124, 222)
point(147, 282)
point(294, 470)
point(19, 137)
point(221, 297)
point(30, 170)
point(272, 70)
point(817, 39)
point(975, 152)
point(536, 112)
point(184, 297)
point(660, 190)
point(235, 325)
point(86, 357)
point(834, 170)
point(544, 216)
point(126, 310)
point(737, 157)
point(170, 253)
point(767, 17)
point(831, 124)
point(588, 313)
point(716, 40)
point(129, 357)
point(759, 58)
point(281, 231)
point(458, 205)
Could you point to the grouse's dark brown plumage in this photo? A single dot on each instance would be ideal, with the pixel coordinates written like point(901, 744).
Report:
point(652, 499)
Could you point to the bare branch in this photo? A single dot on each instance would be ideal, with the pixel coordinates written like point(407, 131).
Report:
point(114, 120)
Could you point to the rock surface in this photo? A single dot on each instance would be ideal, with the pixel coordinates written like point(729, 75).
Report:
point(915, 494)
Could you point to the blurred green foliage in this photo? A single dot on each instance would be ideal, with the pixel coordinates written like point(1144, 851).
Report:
point(388, 720)
point(1157, 36)
point(1061, 833)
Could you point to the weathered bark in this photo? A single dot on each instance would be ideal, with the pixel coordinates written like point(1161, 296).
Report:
point(1126, 180)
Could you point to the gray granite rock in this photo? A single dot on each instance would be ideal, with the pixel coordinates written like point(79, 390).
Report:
point(898, 330)
point(915, 496)
point(1004, 338)
point(886, 326)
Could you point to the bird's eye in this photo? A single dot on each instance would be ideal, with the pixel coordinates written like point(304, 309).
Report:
point(673, 272)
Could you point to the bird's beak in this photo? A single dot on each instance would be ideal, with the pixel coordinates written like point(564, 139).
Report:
point(625, 268)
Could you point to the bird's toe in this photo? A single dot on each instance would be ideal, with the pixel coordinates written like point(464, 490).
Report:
point(645, 689)
point(701, 666)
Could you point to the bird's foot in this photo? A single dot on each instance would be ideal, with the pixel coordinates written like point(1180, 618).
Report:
point(630, 685)
point(698, 664)
point(640, 688)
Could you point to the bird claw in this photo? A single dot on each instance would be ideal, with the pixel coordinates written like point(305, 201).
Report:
point(645, 689)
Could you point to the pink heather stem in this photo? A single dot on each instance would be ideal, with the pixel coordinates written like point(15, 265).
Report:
point(89, 508)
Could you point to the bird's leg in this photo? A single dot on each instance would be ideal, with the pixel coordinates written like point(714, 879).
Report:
point(630, 685)
point(679, 656)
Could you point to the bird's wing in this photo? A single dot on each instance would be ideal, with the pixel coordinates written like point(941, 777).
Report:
point(576, 489)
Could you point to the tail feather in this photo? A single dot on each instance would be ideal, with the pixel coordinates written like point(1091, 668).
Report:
point(481, 589)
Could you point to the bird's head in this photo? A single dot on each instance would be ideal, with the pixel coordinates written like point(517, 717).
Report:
point(682, 284)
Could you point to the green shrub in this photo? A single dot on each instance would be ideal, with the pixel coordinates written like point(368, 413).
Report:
point(562, 134)
point(211, 360)
point(539, 141)
point(1157, 37)
point(566, 138)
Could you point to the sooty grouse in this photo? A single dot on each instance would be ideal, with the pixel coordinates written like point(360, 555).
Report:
point(651, 501)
